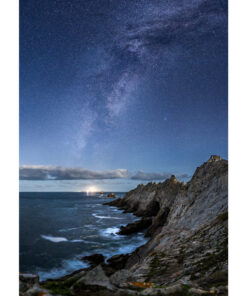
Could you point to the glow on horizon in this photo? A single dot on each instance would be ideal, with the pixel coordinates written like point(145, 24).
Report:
point(92, 189)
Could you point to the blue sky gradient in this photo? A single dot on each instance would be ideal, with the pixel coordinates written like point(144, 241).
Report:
point(134, 85)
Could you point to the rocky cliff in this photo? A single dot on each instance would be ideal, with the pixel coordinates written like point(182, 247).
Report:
point(187, 252)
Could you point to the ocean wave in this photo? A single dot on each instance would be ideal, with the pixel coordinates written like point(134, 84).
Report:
point(69, 229)
point(68, 266)
point(64, 239)
point(54, 239)
point(106, 217)
point(111, 231)
point(77, 241)
point(90, 226)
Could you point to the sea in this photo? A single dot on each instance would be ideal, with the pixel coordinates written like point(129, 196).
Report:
point(58, 228)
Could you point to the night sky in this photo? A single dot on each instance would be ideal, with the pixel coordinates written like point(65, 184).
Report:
point(114, 93)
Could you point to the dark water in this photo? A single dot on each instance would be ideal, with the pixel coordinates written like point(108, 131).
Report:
point(57, 229)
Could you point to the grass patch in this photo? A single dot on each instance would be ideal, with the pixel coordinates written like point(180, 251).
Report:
point(156, 266)
point(58, 287)
point(212, 260)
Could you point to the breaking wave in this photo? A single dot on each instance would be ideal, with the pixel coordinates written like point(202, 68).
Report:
point(106, 217)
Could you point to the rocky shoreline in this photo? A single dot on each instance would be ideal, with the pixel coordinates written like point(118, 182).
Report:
point(187, 253)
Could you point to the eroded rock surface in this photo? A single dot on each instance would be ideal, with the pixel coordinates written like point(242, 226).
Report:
point(192, 236)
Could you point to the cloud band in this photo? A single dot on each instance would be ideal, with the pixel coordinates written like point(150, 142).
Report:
point(40, 172)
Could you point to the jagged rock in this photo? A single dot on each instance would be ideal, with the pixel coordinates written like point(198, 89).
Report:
point(94, 277)
point(94, 259)
point(190, 237)
point(121, 277)
point(146, 201)
point(118, 261)
point(27, 281)
point(115, 263)
point(136, 226)
point(214, 158)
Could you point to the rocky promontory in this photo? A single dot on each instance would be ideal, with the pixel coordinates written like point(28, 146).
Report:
point(187, 251)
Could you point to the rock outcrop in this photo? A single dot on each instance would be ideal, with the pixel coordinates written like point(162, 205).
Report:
point(191, 244)
point(29, 285)
point(189, 231)
point(111, 195)
point(94, 259)
point(136, 226)
point(187, 253)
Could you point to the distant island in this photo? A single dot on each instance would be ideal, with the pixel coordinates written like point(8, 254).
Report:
point(187, 250)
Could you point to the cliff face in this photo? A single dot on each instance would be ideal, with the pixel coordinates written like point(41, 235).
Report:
point(187, 253)
point(190, 244)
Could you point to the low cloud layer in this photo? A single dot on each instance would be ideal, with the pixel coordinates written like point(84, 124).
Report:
point(39, 172)
point(155, 176)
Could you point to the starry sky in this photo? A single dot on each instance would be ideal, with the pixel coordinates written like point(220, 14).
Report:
point(114, 93)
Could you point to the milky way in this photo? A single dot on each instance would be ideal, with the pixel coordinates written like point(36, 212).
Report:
point(139, 85)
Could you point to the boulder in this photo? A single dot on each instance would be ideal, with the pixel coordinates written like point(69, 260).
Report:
point(27, 281)
point(95, 277)
point(94, 259)
point(111, 195)
point(115, 263)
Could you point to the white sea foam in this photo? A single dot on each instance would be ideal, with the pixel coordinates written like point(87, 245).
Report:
point(77, 240)
point(111, 231)
point(131, 247)
point(105, 217)
point(64, 239)
point(54, 239)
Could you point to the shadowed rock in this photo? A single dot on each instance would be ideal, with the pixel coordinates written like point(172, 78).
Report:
point(94, 259)
point(115, 263)
point(111, 195)
point(158, 221)
point(135, 227)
